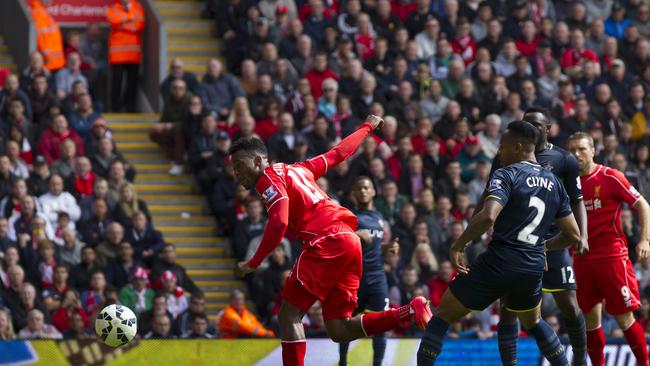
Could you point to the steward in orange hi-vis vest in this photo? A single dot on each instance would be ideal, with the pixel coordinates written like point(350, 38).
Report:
point(126, 19)
point(48, 37)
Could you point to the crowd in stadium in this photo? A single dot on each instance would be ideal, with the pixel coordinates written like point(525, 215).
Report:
point(446, 75)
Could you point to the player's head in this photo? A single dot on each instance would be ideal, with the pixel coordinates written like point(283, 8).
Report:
point(518, 142)
point(581, 145)
point(538, 117)
point(363, 191)
point(249, 159)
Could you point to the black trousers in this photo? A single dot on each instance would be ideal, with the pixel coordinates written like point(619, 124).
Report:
point(124, 96)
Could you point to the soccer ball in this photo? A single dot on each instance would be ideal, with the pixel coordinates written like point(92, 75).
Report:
point(116, 325)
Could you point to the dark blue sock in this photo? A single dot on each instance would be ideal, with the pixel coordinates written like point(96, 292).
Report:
point(343, 353)
point(508, 335)
point(578, 337)
point(431, 343)
point(378, 348)
point(549, 344)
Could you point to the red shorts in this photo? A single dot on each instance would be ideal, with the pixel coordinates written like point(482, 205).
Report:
point(612, 281)
point(328, 269)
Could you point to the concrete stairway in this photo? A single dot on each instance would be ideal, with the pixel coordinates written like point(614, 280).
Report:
point(178, 210)
point(189, 36)
point(6, 59)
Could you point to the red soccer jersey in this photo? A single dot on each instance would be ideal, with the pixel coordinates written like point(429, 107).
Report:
point(294, 201)
point(310, 209)
point(604, 192)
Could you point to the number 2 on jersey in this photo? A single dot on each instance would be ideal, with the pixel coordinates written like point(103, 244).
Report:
point(526, 234)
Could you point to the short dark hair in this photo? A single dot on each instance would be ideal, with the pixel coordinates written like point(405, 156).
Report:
point(361, 178)
point(194, 317)
point(524, 131)
point(249, 145)
point(536, 109)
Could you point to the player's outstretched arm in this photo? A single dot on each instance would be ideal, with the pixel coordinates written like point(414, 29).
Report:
point(478, 225)
point(643, 209)
point(569, 234)
point(274, 231)
point(350, 144)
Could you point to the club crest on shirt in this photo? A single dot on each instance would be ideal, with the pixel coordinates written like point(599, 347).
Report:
point(597, 191)
point(269, 194)
point(495, 184)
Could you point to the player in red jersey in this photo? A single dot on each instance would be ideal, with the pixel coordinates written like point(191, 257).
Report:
point(329, 266)
point(605, 273)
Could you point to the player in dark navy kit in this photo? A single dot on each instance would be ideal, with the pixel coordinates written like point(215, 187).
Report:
point(523, 201)
point(373, 289)
point(559, 278)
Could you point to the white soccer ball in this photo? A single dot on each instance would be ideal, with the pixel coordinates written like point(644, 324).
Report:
point(116, 325)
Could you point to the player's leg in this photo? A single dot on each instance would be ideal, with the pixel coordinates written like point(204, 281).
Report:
point(341, 327)
point(474, 291)
point(590, 297)
point(341, 300)
point(507, 335)
point(567, 301)
point(378, 301)
point(362, 296)
point(634, 336)
point(449, 311)
point(294, 342)
point(595, 335)
point(622, 298)
point(296, 301)
point(343, 353)
point(524, 299)
point(547, 341)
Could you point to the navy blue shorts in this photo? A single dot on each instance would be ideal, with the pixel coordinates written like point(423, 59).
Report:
point(487, 282)
point(560, 275)
point(373, 293)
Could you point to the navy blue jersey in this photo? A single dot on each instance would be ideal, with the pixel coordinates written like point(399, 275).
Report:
point(561, 163)
point(373, 223)
point(532, 198)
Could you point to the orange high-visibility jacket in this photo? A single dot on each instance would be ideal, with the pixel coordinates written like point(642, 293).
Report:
point(124, 42)
point(48, 37)
point(234, 324)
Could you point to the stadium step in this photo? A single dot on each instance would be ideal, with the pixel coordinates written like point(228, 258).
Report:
point(6, 59)
point(189, 35)
point(178, 210)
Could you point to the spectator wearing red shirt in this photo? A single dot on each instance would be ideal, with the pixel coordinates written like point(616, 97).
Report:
point(318, 74)
point(270, 124)
point(422, 131)
point(403, 8)
point(527, 43)
point(365, 37)
point(463, 44)
point(69, 306)
point(50, 143)
point(73, 41)
point(575, 55)
point(84, 178)
point(439, 284)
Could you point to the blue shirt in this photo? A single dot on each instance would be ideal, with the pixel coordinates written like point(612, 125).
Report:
point(561, 163)
point(373, 223)
point(532, 198)
point(616, 29)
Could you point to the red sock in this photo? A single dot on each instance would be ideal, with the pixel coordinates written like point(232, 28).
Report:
point(293, 352)
point(635, 337)
point(596, 346)
point(375, 323)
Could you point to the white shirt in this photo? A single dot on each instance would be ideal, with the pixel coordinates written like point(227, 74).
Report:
point(63, 202)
